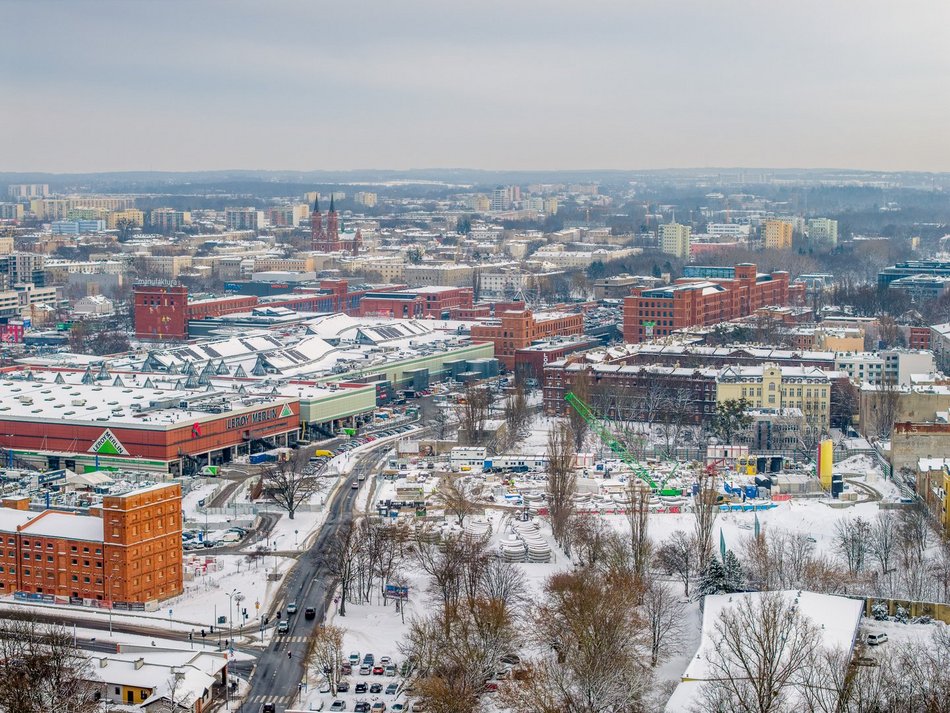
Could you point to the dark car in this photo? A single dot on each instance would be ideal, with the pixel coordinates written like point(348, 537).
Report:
point(376, 688)
point(369, 658)
point(268, 708)
point(360, 687)
point(361, 707)
point(310, 613)
point(391, 689)
point(343, 687)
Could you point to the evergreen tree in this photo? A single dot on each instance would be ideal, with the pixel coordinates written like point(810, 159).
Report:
point(734, 577)
point(713, 578)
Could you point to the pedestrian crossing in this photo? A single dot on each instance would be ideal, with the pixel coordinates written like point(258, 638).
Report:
point(294, 639)
point(267, 699)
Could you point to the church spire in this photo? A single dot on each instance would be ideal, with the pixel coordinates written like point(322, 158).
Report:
point(316, 203)
point(331, 202)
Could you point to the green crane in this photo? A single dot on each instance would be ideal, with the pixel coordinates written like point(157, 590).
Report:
point(603, 432)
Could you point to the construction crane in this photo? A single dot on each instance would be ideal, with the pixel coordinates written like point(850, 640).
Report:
point(606, 435)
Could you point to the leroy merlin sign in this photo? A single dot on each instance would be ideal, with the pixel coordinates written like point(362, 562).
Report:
point(108, 443)
point(252, 419)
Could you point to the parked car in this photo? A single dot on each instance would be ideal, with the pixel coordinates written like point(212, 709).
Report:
point(876, 639)
point(361, 707)
point(390, 670)
point(369, 658)
point(391, 689)
point(342, 686)
point(386, 660)
point(310, 613)
point(355, 657)
point(398, 708)
point(378, 670)
point(378, 707)
point(346, 669)
point(360, 687)
point(338, 705)
point(366, 669)
point(376, 688)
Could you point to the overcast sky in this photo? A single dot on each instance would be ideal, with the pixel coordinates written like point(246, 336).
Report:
point(90, 85)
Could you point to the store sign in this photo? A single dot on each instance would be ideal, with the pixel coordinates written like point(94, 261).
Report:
point(108, 443)
point(258, 417)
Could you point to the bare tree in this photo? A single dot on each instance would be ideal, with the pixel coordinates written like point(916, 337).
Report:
point(517, 412)
point(638, 517)
point(663, 616)
point(679, 555)
point(584, 621)
point(440, 422)
point(325, 655)
point(705, 509)
point(454, 494)
point(40, 670)
point(580, 387)
point(883, 540)
point(472, 413)
point(562, 482)
point(758, 673)
point(290, 482)
point(339, 559)
point(852, 539)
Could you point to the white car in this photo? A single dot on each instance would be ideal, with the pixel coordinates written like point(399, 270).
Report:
point(876, 639)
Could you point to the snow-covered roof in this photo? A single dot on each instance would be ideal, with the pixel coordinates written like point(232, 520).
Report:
point(837, 620)
point(65, 525)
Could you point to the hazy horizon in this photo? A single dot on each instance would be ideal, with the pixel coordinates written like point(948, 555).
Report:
point(103, 86)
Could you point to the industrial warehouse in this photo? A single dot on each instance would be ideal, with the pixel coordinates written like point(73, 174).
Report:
point(209, 402)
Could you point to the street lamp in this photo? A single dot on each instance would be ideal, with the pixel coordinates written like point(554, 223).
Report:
point(233, 595)
point(295, 538)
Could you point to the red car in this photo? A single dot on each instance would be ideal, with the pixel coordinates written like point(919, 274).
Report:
point(377, 670)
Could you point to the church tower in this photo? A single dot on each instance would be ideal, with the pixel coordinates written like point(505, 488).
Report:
point(318, 236)
point(333, 228)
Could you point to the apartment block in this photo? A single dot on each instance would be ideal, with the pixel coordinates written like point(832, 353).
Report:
point(823, 230)
point(777, 234)
point(674, 240)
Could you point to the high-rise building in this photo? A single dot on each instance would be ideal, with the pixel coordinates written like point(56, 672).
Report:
point(823, 230)
point(132, 215)
point(168, 220)
point(28, 190)
point(777, 235)
point(501, 198)
point(365, 198)
point(550, 206)
point(674, 239)
point(11, 211)
point(243, 218)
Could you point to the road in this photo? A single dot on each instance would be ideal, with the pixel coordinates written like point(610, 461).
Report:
point(277, 676)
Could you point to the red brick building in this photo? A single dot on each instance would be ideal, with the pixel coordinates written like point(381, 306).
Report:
point(327, 238)
point(692, 302)
point(163, 312)
point(516, 329)
point(422, 302)
point(127, 550)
